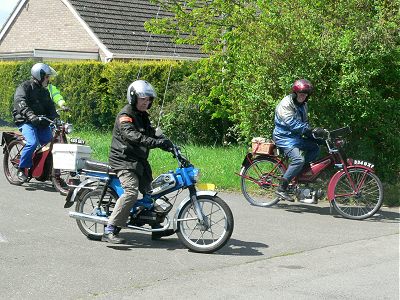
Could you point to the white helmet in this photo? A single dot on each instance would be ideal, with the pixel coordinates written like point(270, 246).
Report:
point(140, 88)
point(40, 70)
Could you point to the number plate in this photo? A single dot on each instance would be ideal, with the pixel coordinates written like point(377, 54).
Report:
point(363, 163)
point(77, 141)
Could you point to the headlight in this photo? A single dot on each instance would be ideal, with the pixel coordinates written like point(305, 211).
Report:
point(195, 176)
point(68, 128)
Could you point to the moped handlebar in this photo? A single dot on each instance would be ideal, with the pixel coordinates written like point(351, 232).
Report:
point(325, 135)
point(47, 119)
point(183, 161)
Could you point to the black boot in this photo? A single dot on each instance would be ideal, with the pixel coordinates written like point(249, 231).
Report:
point(111, 235)
point(159, 234)
point(282, 191)
point(21, 175)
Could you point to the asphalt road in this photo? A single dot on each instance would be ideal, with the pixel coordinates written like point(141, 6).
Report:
point(291, 251)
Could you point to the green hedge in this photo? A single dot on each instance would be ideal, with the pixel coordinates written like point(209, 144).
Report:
point(194, 113)
point(94, 91)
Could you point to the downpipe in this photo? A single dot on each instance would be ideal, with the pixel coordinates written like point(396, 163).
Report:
point(104, 221)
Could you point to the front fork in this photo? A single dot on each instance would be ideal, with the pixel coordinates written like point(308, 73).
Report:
point(203, 220)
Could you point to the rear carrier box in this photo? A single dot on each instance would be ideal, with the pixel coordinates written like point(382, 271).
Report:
point(261, 145)
point(70, 156)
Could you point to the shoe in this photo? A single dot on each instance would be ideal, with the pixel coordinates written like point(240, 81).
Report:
point(21, 175)
point(282, 193)
point(159, 234)
point(112, 238)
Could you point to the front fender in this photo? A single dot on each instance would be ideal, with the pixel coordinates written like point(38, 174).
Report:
point(335, 178)
point(186, 200)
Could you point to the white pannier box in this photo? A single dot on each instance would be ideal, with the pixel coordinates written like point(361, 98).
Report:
point(70, 156)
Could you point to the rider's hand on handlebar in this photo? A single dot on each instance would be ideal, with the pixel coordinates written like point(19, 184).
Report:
point(319, 133)
point(34, 119)
point(165, 144)
point(43, 122)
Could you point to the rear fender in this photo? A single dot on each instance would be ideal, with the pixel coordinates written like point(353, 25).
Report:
point(186, 200)
point(247, 160)
point(8, 136)
point(335, 178)
point(84, 185)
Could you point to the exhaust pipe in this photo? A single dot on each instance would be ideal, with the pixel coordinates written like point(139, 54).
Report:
point(89, 218)
point(104, 221)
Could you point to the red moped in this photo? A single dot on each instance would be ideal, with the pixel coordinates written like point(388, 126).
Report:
point(42, 169)
point(354, 190)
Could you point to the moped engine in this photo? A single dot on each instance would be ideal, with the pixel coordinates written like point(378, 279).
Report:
point(309, 195)
point(153, 216)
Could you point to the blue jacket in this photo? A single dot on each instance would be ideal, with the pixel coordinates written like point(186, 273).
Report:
point(291, 122)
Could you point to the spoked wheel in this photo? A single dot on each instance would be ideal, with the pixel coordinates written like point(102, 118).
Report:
point(208, 237)
point(260, 180)
point(11, 159)
point(87, 203)
point(59, 178)
point(362, 203)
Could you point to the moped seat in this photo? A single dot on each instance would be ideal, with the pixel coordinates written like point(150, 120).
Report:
point(98, 166)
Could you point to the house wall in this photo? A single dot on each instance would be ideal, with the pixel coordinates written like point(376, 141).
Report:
point(46, 24)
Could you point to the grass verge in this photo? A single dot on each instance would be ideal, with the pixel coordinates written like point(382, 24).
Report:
point(217, 165)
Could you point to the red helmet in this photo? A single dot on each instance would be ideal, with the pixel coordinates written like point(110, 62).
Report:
point(302, 86)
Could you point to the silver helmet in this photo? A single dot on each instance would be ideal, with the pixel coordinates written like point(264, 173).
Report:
point(140, 88)
point(40, 70)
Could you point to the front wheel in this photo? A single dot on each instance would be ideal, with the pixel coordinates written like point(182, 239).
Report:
point(214, 233)
point(11, 158)
point(260, 180)
point(362, 201)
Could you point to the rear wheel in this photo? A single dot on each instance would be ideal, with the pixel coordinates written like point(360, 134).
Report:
point(361, 204)
point(260, 180)
point(11, 159)
point(87, 203)
point(210, 236)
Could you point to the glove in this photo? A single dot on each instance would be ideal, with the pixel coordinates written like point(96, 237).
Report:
point(43, 123)
point(319, 132)
point(35, 121)
point(65, 108)
point(165, 144)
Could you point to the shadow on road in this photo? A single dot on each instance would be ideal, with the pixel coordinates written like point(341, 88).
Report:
point(143, 241)
point(39, 186)
point(383, 215)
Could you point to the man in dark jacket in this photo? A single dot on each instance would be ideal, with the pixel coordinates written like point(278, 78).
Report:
point(31, 100)
point(133, 137)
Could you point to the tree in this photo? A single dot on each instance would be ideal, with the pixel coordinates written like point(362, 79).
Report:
point(349, 49)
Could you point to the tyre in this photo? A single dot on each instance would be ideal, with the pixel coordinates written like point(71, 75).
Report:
point(205, 238)
point(260, 180)
point(363, 204)
point(11, 159)
point(87, 203)
point(59, 178)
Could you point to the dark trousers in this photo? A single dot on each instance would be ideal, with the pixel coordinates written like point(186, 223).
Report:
point(299, 156)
